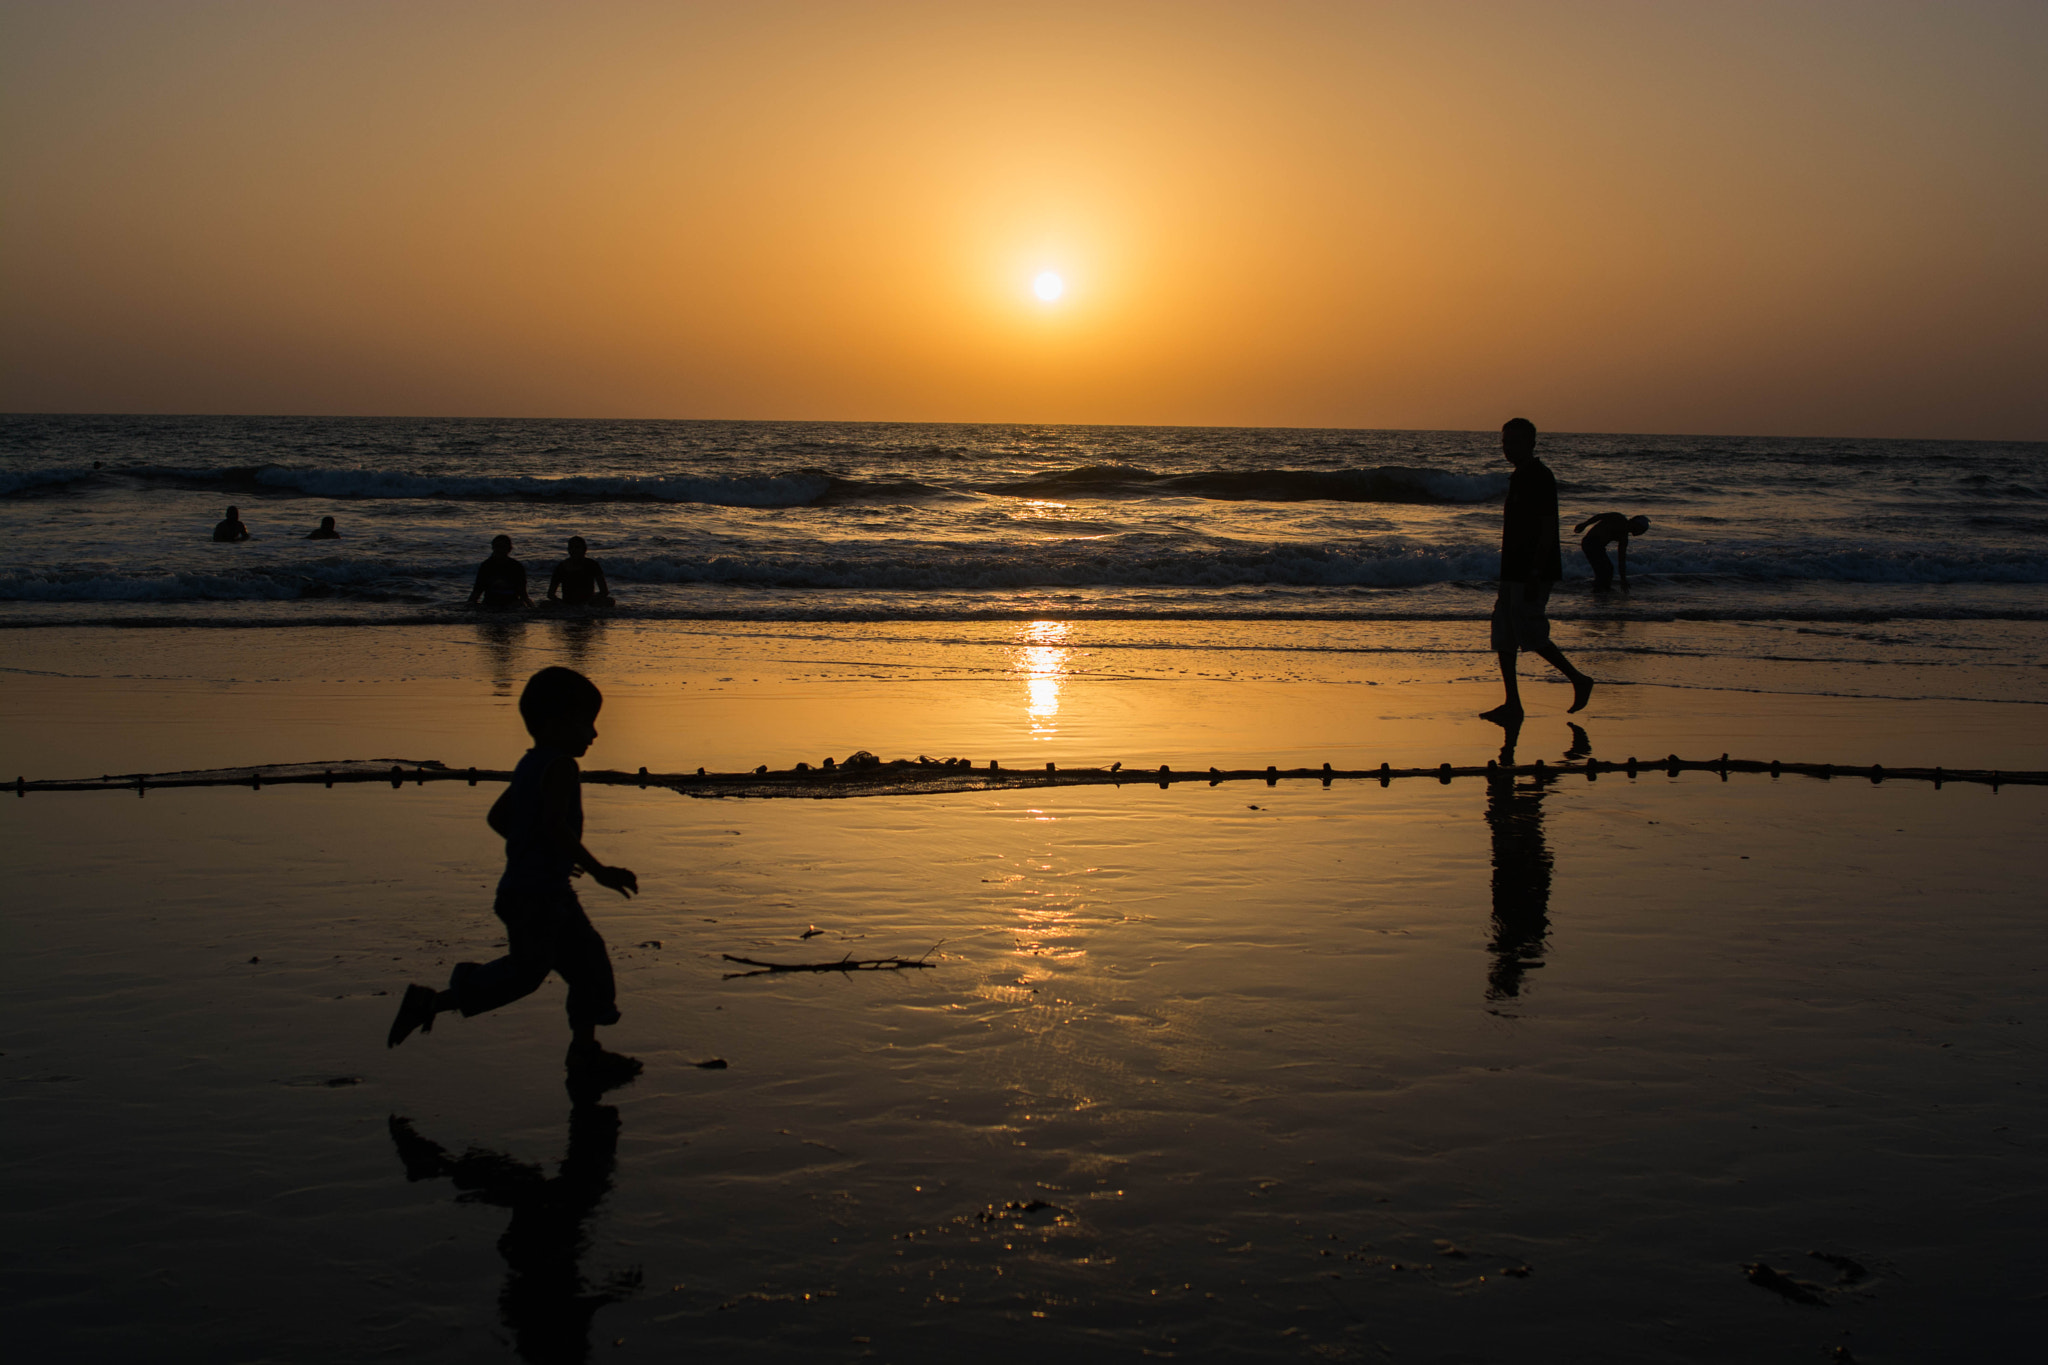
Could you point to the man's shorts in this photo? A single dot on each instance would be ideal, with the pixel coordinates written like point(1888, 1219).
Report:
point(1518, 619)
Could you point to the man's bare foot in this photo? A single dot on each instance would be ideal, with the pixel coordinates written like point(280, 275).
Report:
point(1582, 692)
point(1507, 713)
point(415, 1011)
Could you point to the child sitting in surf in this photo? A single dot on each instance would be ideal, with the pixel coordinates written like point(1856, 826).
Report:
point(540, 817)
point(579, 579)
point(1609, 528)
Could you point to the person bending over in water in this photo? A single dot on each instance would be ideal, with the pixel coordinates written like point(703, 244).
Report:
point(326, 531)
point(580, 579)
point(500, 580)
point(540, 817)
point(1529, 564)
point(229, 528)
point(1609, 528)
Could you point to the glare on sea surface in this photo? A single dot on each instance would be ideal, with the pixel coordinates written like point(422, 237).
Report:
point(1048, 286)
point(1042, 661)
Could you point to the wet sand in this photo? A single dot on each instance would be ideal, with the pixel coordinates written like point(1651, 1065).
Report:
point(1424, 1073)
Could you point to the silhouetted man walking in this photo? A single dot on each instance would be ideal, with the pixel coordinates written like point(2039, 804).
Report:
point(1529, 564)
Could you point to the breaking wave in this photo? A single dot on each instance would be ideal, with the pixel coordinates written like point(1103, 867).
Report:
point(791, 488)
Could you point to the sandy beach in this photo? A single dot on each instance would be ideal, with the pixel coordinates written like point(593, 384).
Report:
point(1429, 1072)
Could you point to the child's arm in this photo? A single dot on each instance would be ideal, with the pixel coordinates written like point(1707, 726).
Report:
point(562, 823)
point(1580, 529)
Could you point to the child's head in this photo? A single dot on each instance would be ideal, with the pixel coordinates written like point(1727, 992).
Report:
point(560, 709)
point(327, 523)
point(1518, 438)
point(577, 547)
point(501, 545)
point(234, 514)
point(1638, 525)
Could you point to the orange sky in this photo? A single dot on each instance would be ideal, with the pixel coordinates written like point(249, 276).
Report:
point(1774, 218)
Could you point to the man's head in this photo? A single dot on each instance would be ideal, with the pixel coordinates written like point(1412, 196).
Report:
point(577, 548)
point(327, 523)
point(234, 514)
point(501, 545)
point(1638, 525)
point(1518, 439)
point(560, 709)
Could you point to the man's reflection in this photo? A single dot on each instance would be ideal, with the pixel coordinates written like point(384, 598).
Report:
point(546, 1303)
point(501, 639)
point(578, 638)
point(1521, 873)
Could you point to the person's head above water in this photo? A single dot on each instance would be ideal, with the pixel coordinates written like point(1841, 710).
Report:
point(234, 514)
point(560, 709)
point(577, 549)
point(327, 523)
point(1518, 439)
point(1638, 525)
point(501, 545)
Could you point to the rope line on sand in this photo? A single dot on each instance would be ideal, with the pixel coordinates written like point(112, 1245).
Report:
point(910, 777)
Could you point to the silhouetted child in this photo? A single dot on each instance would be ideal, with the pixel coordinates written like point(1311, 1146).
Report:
point(1609, 528)
point(580, 579)
point(540, 817)
point(325, 531)
point(229, 528)
point(500, 580)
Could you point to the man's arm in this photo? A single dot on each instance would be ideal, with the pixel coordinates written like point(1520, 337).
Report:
point(555, 582)
point(1621, 552)
point(602, 586)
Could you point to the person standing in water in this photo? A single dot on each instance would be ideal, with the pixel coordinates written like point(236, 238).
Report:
point(1609, 528)
point(325, 531)
point(229, 529)
point(579, 579)
point(1529, 564)
point(500, 580)
point(540, 817)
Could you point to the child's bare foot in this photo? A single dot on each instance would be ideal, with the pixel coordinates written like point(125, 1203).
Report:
point(415, 1011)
point(1582, 692)
point(1508, 713)
point(592, 1068)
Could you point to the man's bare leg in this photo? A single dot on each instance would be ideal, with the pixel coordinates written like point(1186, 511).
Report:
point(1582, 686)
point(1508, 712)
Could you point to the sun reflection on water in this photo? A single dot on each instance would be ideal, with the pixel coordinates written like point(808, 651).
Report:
point(1041, 661)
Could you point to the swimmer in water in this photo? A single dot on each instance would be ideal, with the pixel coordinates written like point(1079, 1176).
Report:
point(500, 580)
point(579, 579)
point(326, 531)
point(229, 528)
point(1609, 528)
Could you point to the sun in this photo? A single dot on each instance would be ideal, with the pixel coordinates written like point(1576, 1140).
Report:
point(1048, 286)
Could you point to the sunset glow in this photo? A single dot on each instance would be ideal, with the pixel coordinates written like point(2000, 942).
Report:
point(1308, 215)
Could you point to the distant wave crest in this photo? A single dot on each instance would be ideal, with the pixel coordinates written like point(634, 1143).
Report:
point(797, 487)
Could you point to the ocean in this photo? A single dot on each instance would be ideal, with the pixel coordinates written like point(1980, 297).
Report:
point(106, 520)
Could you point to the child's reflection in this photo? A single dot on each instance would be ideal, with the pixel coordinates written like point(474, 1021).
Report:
point(546, 1303)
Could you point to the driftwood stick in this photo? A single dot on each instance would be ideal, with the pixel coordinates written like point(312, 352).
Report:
point(849, 963)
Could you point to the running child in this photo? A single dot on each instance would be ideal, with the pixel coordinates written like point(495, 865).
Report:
point(540, 817)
